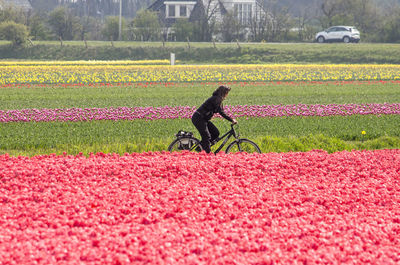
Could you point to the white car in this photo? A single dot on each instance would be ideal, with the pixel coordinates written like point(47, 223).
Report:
point(344, 34)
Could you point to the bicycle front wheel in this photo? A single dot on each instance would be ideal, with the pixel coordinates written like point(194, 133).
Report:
point(243, 145)
point(185, 143)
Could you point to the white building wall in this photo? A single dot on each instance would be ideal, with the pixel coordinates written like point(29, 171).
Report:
point(230, 7)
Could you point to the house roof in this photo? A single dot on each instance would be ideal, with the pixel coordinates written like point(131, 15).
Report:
point(159, 3)
point(156, 5)
point(23, 4)
point(222, 8)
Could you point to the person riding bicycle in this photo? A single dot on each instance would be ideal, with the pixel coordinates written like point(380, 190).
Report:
point(202, 116)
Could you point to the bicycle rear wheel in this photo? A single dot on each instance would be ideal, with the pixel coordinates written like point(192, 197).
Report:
point(243, 145)
point(185, 143)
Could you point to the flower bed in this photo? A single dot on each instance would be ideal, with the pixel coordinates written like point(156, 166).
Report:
point(185, 112)
point(184, 208)
point(91, 73)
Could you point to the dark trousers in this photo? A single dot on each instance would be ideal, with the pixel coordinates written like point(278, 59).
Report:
point(207, 130)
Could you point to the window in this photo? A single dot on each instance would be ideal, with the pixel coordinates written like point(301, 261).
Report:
point(182, 11)
point(171, 11)
point(332, 29)
point(177, 9)
point(243, 13)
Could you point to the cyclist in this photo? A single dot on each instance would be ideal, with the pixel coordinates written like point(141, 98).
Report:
point(202, 116)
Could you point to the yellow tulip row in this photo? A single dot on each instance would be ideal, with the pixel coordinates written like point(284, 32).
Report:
point(83, 63)
point(88, 73)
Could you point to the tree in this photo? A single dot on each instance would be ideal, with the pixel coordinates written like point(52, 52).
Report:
point(303, 23)
point(261, 25)
point(330, 9)
point(91, 28)
point(205, 25)
point(94, 8)
point(9, 13)
point(359, 13)
point(111, 28)
point(44, 5)
point(37, 28)
point(64, 23)
point(283, 24)
point(230, 28)
point(365, 16)
point(183, 29)
point(16, 33)
point(391, 27)
point(145, 26)
point(273, 24)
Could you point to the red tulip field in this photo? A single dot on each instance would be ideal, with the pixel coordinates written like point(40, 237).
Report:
point(184, 208)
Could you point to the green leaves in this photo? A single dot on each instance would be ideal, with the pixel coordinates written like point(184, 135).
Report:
point(16, 33)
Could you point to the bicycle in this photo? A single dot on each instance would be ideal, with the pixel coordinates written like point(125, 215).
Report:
point(186, 141)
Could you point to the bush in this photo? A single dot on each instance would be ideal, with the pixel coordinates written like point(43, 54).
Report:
point(183, 30)
point(16, 33)
point(145, 26)
point(111, 28)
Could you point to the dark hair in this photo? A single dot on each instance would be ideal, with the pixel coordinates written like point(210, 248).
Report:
point(221, 91)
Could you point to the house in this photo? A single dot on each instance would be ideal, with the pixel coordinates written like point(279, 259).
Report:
point(25, 5)
point(171, 10)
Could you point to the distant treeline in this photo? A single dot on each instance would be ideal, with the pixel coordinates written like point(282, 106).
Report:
point(98, 20)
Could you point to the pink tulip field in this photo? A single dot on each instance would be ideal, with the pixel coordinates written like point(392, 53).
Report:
point(185, 208)
point(185, 112)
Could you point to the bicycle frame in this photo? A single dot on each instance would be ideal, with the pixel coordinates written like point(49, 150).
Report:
point(227, 136)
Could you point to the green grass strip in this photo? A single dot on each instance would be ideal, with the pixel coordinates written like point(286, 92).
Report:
point(272, 134)
point(193, 94)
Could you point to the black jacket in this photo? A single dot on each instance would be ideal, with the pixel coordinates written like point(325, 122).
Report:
point(211, 106)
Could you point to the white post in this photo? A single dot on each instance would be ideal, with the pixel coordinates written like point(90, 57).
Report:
point(172, 58)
